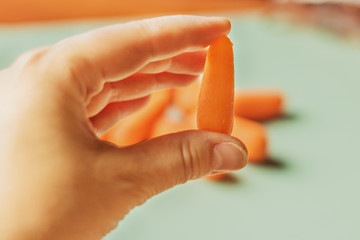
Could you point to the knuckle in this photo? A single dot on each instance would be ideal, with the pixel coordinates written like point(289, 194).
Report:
point(195, 159)
point(187, 159)
point(77, 64)
point(154, 82)
point(112, 92)
point(77, 67)
point(147, 44)
point(32, 58)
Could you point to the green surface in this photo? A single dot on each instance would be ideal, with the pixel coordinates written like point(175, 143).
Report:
point(311, 189)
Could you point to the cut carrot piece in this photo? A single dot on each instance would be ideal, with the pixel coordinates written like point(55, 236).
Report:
point(253, 135)
point(170, 123)
point(259, 104)
point(186, 98)
point(217, 177)
point(216, 99)
point(138, 126)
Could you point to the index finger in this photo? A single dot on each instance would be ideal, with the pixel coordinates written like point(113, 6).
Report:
point(117, 51)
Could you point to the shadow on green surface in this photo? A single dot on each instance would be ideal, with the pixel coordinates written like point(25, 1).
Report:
point(289, 116)
point(272, 163)
point(229, 179)
point(284, 117)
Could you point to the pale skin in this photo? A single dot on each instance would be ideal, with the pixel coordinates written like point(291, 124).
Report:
point(57, 179)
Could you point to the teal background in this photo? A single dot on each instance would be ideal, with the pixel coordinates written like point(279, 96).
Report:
point(309, 189)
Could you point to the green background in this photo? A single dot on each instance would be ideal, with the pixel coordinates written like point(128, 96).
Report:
point(309, 189)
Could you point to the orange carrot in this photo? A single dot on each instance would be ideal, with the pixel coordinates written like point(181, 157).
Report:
point(258, 104)
point(216, 98)
point(217, 177)
point(169, 123)
point(138, 126)
point(40, 10)
point(253, 135)
point(186, 98)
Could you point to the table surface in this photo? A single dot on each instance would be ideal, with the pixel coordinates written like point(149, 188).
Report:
point(309, 189)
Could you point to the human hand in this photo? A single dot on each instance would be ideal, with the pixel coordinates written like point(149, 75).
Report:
point(57, 179)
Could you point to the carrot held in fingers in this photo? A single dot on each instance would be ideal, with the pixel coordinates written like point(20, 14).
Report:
point(259, 104)
point(216, 99)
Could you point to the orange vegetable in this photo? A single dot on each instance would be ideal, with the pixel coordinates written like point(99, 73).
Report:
point(258, 104)
point(138, 126)
point(186, 98)
point(40, 10)
point(253, 135)
point(216, 98)
point(217, 177)
point(170, 123)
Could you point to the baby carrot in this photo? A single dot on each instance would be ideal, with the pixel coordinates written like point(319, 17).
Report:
point(258, 104)
point(216, 99)
point(253, 134)
point(138, 126)
point(217, 177)
point(170, 123)
point(186, 98)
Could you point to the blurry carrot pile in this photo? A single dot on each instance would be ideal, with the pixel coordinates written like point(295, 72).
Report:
point(19, 11)
point(210, 104)
point(341, 17)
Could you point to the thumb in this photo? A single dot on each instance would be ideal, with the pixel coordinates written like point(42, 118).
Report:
point(166, 161)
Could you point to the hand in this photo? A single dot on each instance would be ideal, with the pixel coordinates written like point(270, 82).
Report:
point(57, 179)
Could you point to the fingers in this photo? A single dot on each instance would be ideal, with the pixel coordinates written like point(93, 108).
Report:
point(186, 63)
point(136, 86)
point(118, 51)
point(113, 112)
point(163, 162)
point(174, 72)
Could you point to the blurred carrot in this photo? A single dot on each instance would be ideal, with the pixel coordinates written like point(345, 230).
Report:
point(186, 98)
point(138, 126)
point(216, 98)
point(258, 104)
point(170, 123)
point(253, 135)
point(217, 177)
point(40, 10)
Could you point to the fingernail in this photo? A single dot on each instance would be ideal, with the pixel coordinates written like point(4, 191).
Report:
point(228, 157)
